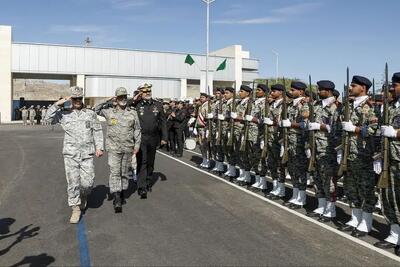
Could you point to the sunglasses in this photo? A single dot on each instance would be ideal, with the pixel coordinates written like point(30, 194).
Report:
point(77, 98)
point(146, 91)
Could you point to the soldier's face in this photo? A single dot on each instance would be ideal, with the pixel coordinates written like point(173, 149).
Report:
point(323, 93)
point(77, 103)
point(296, 93)
point(243, 94)
point(228, 95)
point(356, 89)
point(275, 94)
point(146, 94)
point(203, 99)
point(218, 95)
point(259, 92)
point(122, 101)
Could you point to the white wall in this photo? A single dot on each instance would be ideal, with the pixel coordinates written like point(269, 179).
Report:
point(5, 73)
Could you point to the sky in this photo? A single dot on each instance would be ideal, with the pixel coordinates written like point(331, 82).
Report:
point(313, 37)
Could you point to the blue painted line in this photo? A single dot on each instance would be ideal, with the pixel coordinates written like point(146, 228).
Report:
point(84, 255)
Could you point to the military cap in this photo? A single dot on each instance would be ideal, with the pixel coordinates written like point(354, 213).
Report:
point(219, 89)
point(325, 84)
point(204, 94)
point(336, 93)
point(76, 92)
point(230, 89)
point(278, 87)
point(360, 80)
point(298, 85)
point(245, 88)
point(396, 77)
point(145, 86)
point(263, 87)
point(120, 91)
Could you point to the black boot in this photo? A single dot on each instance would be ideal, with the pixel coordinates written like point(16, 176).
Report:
point(142, 193)
point(384, 245)
point(117, 202)
point(123, 195)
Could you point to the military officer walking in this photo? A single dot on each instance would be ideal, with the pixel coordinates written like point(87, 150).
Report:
point(153, 124)
point(123, 140)
point(82, 140)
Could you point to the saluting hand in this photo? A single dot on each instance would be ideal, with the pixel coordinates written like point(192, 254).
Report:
point(62, 101)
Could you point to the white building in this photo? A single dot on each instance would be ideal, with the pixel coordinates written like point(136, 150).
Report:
point(100, 70)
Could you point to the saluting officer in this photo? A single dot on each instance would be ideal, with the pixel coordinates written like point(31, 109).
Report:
point(152, 121)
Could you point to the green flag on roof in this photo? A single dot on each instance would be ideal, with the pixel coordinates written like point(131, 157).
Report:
point(222, 66)
point(189, 60)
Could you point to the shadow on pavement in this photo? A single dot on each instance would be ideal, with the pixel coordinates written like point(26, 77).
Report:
point(23, 233)
point(39, 260)
point(97, 197)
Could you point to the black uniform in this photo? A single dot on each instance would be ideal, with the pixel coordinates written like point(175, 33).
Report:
point(152, 121)
point(171, 131)
point(179, 127)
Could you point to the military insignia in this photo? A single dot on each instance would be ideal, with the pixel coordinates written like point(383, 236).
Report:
point(114, 121)
point(141, 111)
point(88, 124)
point(155, 111)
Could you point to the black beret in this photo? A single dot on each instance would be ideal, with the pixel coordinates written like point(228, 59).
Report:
point(336, 93)
point(396, 77)
point(219, 89)
point(245, 88)
point(278, 87)
point(204, 94)
point(298, 85)
point(360, 80)
point(263, 87)
point(288, 94)
point(230, 89)
point(325, 84)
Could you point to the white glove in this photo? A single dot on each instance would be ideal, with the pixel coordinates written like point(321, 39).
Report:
point(339, 156)
point(195, 131)
point(308, 153)
point(210, 116)
point(268, 121)
point(191, 121)
point(249, 118)
point(233, 115)
point(378, 166)
point(314, 126)
point(207, 133)
point(262, 144)
point(282, 151)
point(388, 131)
point(328, 128)
point(221, 117)
point(286, 123)
point(348, 126)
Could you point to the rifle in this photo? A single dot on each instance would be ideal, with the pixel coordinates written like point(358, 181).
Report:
point(311, 134)
point(384, 177)
point(249, 106)
point(232, 122)
point(209, 127)
point(266, 129)
point(373, 91)
point(345, 135)
point(219, 121)
point(284, 116)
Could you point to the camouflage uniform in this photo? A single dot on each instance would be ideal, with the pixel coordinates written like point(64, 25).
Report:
point(254, 137)
point(83, 135)
point(202, 130)
point(229, 150)
point(297, 164)
point(218, 152)
point(32, 115)
point(24, 113)
point(273, 160)
point(123, 136)
point(359, 180)
point(243, 163)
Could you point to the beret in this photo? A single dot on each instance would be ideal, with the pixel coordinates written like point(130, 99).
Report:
point(230, 89)
point(298, 85)
point(336, 93)
point(325, 84)
point(219, 89)
point(245, 88)
point(204, 94)
point(263, 87)
point(278, 87)
point(360, 80)
point(396, 77)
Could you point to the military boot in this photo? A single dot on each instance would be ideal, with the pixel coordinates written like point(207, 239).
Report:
point(76, 215)
point(83, 202)
point(117, 202)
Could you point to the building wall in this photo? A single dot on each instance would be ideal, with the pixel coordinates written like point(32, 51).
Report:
point(5, 74)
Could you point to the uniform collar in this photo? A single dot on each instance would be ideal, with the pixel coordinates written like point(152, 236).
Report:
point(277, 102)
point(296, 101)
point(328, 101)
point(397, 104)
point(359, 100)
point(244, 100)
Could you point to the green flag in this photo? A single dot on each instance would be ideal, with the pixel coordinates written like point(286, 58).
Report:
point(189, 60)
point(222, 66)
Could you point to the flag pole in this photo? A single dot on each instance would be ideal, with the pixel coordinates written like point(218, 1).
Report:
point(208, 2)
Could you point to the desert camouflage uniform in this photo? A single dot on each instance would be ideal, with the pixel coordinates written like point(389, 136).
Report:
point(218, 152)
point(228, 150)
point(255, 135)
point(201, 127)
point(83, 135)
point(243, 161)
